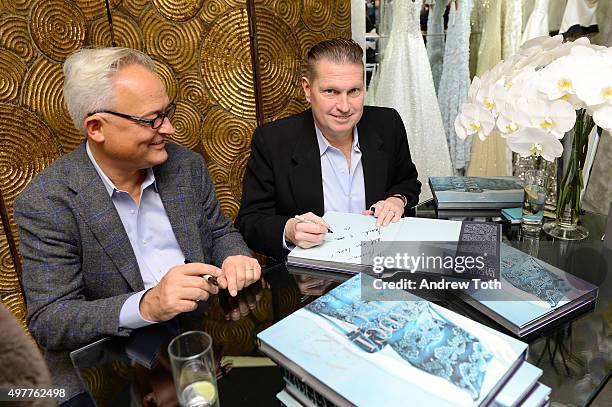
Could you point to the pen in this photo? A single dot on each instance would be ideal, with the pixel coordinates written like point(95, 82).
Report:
point(207, 277)
point(302, 219)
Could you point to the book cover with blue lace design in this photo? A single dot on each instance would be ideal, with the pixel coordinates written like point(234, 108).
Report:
point(533, 293)
point(476, 192)
point(392, 352)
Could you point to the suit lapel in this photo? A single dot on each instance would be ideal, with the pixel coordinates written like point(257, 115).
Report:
point(305, 177)
point(177, 198)
point(98, 211)
point(374, 161)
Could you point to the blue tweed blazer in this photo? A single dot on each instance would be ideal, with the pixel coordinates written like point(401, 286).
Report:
point(78, 264)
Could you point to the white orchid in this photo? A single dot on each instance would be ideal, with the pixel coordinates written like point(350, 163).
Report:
point(534, 97)
point(474, 119)
point(536, 142)
point(556, 117)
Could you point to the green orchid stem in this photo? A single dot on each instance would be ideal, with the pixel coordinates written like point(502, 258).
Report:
point(568, 203)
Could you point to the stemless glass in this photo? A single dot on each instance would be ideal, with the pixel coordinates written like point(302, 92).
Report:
point(533, 203)
point(193, 369)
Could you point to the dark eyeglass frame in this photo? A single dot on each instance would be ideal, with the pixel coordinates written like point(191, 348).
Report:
point(169, 113)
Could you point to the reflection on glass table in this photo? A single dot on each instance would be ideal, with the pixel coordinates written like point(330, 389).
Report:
point(573, 353)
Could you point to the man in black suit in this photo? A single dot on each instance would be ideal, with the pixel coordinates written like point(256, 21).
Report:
point(336, 156)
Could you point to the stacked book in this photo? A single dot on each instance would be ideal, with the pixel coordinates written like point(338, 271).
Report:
point(460, 197)
point(342, 350)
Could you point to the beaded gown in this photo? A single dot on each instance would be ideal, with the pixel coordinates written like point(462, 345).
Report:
point(490, 157)
point(455, 80)
point(404, 82)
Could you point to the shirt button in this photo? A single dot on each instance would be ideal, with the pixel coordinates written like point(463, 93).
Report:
point(132, 211)
point(144, 242)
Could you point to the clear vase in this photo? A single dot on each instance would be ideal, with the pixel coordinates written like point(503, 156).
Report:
point(567, 213)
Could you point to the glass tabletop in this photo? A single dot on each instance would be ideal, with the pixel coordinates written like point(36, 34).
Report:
point(575, 353)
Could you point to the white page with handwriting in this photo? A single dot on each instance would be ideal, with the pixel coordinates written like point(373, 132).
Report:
point(350, 229)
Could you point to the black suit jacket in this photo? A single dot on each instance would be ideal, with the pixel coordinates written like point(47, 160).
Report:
point(283, 175)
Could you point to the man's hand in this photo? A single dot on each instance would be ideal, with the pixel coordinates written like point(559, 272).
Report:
point(239, 272)
point(178, 291)
point(306, 235)
point(387, 211)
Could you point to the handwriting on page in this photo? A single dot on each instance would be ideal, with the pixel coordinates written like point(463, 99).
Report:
point(352, 245)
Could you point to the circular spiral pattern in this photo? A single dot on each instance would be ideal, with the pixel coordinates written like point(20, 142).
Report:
point(278, 61)
point(241, 3)
point(225, 135)
point(166, 74)
point(294, 107)
point(307, 39)
point(191, 89)
point(8, 274)
point(16, 305)
point(135, 7)
point(12, 72)
point(42, 91)
point(225, 60)
point(95, 9)
point(213, 9)
point(26, 149)
point(178, 10)
point(288, 10)
point(263, 310)
point(126, 32)
point(227, 201)
point(176, 43)
point(342, 17)
point(14, 36)
point(237, 337)
point(218, 174)
point(317, 14)
point(57, 27)
point(336, 32)
point(16, 6)
point(237, 173)
point(288, 300)
point(187, 122)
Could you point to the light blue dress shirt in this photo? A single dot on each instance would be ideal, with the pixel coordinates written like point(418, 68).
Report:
point(343, 186)
point(151, 236)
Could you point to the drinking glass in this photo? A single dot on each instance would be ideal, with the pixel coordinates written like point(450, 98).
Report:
point(533, 201)
point(193, 369)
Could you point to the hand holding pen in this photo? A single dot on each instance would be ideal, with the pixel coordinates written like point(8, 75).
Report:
point(307, 230)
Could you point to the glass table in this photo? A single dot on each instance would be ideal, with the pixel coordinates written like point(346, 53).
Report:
point(575, 353)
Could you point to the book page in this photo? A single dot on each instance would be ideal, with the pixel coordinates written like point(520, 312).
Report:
point(352, 230)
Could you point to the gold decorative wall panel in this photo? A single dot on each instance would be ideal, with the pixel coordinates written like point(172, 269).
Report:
point(205, 53)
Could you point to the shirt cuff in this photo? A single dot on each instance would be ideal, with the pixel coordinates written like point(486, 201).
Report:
point(286, 244)
point(129, 316)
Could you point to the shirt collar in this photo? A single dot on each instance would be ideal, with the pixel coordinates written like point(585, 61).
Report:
point(108, 184)
point(324, 144)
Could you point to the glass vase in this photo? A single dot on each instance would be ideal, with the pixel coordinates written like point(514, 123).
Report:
point(567, 213)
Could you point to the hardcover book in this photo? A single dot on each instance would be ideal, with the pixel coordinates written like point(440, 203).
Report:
point(357, 240)
point(365, 353)
point(476, 192)
point(533, 293)
point(519, 386)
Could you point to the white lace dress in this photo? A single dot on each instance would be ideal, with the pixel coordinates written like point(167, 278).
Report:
point(455, 80)
point(435, 38)
point(404, 82)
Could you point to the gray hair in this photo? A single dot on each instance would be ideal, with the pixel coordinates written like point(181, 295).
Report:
point(338, 50)
point(88, 79)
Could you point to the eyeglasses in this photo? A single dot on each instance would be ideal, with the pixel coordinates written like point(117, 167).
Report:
point(155, 122)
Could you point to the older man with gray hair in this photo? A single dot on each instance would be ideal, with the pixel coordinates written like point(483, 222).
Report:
point(119, 233)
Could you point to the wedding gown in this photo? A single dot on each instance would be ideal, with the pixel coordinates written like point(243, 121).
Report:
point(455, 80)
point(404, 82)
point(490, 157)
point(579, 17)
point(435, 38)
point(537, 25)
point(513, 17)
